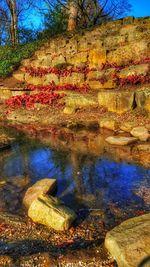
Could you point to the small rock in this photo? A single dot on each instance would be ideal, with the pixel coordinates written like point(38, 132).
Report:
point(2, 183)
point(109, 124)
point(144, 147)
point(127, 126)
point(69, 110)
point(120, 140)
point(6, 261)
point(51, 212)
point(41, 187)
point(141, 133)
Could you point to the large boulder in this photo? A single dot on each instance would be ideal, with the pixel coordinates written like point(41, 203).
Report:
point(129, 243)
point(43, 186)
point(116, 101)
point(51, 212)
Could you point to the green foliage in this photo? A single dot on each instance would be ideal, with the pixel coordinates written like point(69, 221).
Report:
point(10, 58)
point(27, 35)
point(56, 21)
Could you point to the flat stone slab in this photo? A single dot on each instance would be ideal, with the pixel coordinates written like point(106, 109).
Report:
point(129, 243)
point(120, 140)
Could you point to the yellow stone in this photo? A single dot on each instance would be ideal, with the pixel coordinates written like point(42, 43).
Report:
point(98, 85)
point(81, 57)
point(69, 110)
point(115, 101)
point(97, 57)
point(42, 186)
point(34, 80)
point(147, 104)
point(109, 124)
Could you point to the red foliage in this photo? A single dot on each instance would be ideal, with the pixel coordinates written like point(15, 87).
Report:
point(108, 65)
point(29, 100)
point(103, 79)
point(131, 80)
point(59, 72)
point(65, 87)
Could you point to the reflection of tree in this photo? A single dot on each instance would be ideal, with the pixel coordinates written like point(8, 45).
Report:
point(79, 163)
point(61, 160)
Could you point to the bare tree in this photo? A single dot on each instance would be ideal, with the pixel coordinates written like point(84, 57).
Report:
point(73, 15)
point(4, 25)
point(12, 13)
point(84, 13)
point(13, 21)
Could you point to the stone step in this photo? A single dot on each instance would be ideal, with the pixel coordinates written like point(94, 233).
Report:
point(120, 101)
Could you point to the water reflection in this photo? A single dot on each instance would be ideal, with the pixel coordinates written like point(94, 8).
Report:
point(83, 180)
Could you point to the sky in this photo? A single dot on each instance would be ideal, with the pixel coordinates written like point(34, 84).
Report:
point(140, 8)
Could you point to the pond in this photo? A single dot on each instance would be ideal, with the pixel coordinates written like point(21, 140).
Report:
point(97, 182)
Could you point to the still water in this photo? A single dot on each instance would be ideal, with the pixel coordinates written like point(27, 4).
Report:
point(85, 181)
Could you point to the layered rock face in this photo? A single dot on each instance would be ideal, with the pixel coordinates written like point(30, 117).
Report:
point(109, 59)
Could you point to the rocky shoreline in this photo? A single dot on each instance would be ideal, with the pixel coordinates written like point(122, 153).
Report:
point(83, 245)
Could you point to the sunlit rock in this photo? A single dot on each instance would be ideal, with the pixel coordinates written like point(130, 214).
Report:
point(141, 69)
point(43, 186)
point(116, 101)
point(121, 140)
point(108, 123)
point(129, 242)
point(127, 126)
point(141, 133)
point(51, 212)
point(6, 260)
point(69, 110)
point(97, 57)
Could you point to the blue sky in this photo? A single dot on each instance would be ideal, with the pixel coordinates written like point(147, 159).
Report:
point(140, 8)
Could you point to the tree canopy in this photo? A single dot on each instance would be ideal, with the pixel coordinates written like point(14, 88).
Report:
point(56, 16)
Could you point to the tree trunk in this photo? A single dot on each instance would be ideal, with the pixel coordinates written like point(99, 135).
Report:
point(14, 22)
point(73, 14)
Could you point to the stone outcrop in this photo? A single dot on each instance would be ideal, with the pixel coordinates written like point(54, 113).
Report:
point(116, 101)
point(51, 212)
point(129, 242)
point(113, 50)
point(43, 186)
